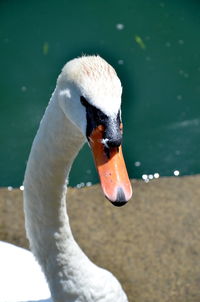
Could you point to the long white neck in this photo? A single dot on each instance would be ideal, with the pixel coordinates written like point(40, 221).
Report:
point(54, 149)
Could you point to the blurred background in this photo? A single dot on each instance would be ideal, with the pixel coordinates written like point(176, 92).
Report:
point(154, 47)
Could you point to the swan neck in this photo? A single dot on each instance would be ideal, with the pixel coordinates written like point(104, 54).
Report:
point(53, 151)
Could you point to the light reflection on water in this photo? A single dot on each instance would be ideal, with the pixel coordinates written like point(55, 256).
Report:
point(176, 173)
point(119, 26)
point(159, 73)
point(145, 177)
point(82, 185)
point(148, 177)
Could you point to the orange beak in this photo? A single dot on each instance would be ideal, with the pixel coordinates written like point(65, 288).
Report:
point(111, 169)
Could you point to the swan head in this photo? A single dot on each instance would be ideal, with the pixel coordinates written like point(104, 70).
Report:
point(90, 96)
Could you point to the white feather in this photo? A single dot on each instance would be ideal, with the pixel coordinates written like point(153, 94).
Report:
point(71, 276)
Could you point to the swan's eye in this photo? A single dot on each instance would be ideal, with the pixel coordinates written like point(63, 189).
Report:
point(84, 102)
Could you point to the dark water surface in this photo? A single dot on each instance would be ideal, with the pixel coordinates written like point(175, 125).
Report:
point(153, 45)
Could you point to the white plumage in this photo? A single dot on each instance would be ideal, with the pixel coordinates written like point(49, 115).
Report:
point(71, 276)
point(21, 278)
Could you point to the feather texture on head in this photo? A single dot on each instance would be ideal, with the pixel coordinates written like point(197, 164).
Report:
point(96, 80)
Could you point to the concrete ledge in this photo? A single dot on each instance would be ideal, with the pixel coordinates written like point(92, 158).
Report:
point(152, 244)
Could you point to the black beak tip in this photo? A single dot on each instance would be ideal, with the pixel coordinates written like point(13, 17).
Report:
point(119, 203)
point(121, 199)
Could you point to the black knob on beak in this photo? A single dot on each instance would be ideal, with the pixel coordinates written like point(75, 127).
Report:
point(114, 141)
point(113, 135)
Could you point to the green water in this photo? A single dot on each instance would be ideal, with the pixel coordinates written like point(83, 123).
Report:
point(153, 45)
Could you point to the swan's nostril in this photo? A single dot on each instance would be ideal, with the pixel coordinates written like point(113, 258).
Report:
point(114, 142)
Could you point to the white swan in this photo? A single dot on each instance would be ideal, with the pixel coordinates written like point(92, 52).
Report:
point(21, 278)
point(84, 106)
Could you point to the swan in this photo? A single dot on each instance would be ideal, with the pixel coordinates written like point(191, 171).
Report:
point(85, 106)
point(21, 278)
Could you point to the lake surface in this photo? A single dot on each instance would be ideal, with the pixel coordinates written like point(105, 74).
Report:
point(155, 49)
